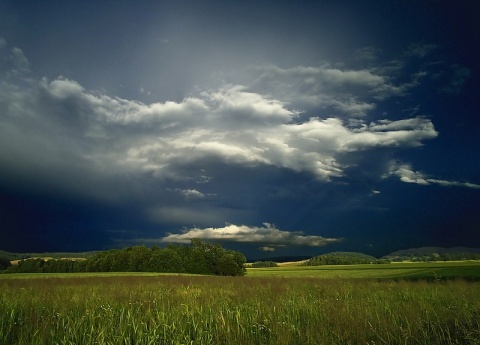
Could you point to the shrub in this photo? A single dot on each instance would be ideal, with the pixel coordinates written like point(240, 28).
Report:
point(4, 263)
point(260, 264)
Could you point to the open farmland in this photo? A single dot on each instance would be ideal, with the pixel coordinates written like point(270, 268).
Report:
point(134, 308)
point(469, 270)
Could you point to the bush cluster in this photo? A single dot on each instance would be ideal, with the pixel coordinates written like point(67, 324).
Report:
point(198, 258)
point(260, 264)
point(4, 263)
point(344, 258)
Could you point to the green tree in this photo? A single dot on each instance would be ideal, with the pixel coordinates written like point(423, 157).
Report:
point(138, 258)
point(166, 260)
point(230, 264)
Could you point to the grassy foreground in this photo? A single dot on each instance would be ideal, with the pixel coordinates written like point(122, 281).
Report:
point(162, 309)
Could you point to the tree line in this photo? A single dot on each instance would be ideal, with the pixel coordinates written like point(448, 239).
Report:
point(198, 258)
point(439, 257)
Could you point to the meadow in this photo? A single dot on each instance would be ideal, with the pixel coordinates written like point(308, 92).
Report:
point(284, 305)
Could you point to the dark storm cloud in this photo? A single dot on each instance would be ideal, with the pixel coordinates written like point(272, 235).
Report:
point(186, 117)
point(59, 134)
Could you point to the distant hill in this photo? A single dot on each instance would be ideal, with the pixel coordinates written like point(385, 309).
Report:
point(56, 255)
point(341, 258)
point(435, 254)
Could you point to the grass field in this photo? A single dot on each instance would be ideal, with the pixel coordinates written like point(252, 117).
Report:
point(268, 306)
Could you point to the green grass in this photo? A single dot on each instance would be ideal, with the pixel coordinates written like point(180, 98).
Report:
point(172, 309)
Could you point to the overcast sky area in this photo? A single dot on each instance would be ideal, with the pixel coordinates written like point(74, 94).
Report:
point(271, 127)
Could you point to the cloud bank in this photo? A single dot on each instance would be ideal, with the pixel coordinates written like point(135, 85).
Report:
point(65, 124)
point(268, 236)
point(348, 92)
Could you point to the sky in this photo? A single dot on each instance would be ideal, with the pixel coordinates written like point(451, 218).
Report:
point(271, 127)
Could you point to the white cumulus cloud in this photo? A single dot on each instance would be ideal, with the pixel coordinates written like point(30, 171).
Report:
point(266, 234)
point(109, 135)
point(406, 174)
point(191, 193)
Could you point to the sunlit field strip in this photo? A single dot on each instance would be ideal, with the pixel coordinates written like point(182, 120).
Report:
point(427, 270)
